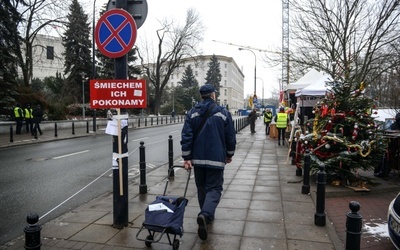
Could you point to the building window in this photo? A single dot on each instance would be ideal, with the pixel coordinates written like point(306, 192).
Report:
point(225, 92)
point(196, 73)
point(50, 52)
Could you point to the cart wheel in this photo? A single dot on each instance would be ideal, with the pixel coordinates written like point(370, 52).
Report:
point(175, 245)
point(149, 240)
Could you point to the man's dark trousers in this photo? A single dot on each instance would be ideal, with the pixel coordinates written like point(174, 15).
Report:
point(209, 183)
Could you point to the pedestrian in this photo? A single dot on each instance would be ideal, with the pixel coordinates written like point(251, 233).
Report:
point(109, 115)
point(208, 143)
point(37, 118)
point(267, 120)
point(28, 119)
point(252, 119)
point(18, 117)
point(282, 121)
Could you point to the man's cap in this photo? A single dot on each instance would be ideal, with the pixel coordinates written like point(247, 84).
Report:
point(207, 89)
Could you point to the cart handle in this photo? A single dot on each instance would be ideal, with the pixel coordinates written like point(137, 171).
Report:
point(187, 182)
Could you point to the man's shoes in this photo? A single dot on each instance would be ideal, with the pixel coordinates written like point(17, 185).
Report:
point(279, 143)
point(202, 230)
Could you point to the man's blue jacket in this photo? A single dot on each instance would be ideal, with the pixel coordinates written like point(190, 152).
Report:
point(215, 142)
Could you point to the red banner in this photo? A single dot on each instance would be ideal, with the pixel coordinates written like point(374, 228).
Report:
point(117, 94)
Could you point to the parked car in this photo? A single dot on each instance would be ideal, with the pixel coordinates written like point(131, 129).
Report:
point(394, 221)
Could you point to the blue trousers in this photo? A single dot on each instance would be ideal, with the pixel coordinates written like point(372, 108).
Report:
point(209, 183)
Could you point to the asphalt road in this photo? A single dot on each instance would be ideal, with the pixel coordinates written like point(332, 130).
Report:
point(54, 177)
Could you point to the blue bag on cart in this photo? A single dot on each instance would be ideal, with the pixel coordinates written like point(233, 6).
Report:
point(166, 213)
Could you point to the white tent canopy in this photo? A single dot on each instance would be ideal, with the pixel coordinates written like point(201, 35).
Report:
point(317, 88)
point(309, 78)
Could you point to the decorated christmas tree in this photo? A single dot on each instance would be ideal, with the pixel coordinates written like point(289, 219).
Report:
point(343, 136)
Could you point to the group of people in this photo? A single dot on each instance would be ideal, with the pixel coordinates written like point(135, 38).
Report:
point(31, 117)
point(281, 120)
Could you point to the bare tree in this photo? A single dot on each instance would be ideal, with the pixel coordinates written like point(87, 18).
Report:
point(352, 40)
point(175, 43)
point(37, 16)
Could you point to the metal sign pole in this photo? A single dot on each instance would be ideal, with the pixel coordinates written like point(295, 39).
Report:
point(120, 177)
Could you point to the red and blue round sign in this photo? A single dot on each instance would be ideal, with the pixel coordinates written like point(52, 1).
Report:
point(115, 33)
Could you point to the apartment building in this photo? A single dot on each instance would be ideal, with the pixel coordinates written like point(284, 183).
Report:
point(231, 92)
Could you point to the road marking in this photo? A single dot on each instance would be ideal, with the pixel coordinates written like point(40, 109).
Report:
point(76, 153)
point(141, 139)
point(72, 196)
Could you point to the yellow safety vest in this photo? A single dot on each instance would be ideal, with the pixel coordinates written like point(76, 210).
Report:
point(28, 113)
point(267, 117)
point(16, 113)
point(281, 121)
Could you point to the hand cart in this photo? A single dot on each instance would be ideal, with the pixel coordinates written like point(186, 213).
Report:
point(166, 218)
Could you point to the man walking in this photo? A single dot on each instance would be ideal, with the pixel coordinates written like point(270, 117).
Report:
point(37, 118)
point(208, 143)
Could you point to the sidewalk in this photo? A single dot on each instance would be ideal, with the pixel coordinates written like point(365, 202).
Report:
point(262, 208)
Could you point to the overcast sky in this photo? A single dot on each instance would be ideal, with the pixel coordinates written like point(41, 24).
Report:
point(252, 23)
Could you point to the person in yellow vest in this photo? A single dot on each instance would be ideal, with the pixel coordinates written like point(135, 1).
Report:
point(282, 121)
point(267, 120)
point(18, 117)
point(28, 118)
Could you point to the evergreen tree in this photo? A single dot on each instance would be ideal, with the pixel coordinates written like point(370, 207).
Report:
point(77, 43)
point(105, 66)
point(188, 79)
point(344, 137)
point(214, 72)
point(9, 17)
point(188, 89)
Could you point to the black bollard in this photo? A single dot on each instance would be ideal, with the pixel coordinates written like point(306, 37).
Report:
point(171, 172)
point(73, 128)
point(138, 123)
point(305, 189)
point(145, 122)
point(157, 120)
point(151, 121)
point(94, 120)
point(142, 166)
point(299, 170)
point(11, 134)
point(353, 227)
point(87, 127)
point(293, 151)
point(32, 232)
point(320, 215)
point(55, 130)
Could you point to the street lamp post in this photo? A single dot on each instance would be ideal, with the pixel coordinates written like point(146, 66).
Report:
point(262, 93)
point(255, 68)
point(83, 94)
